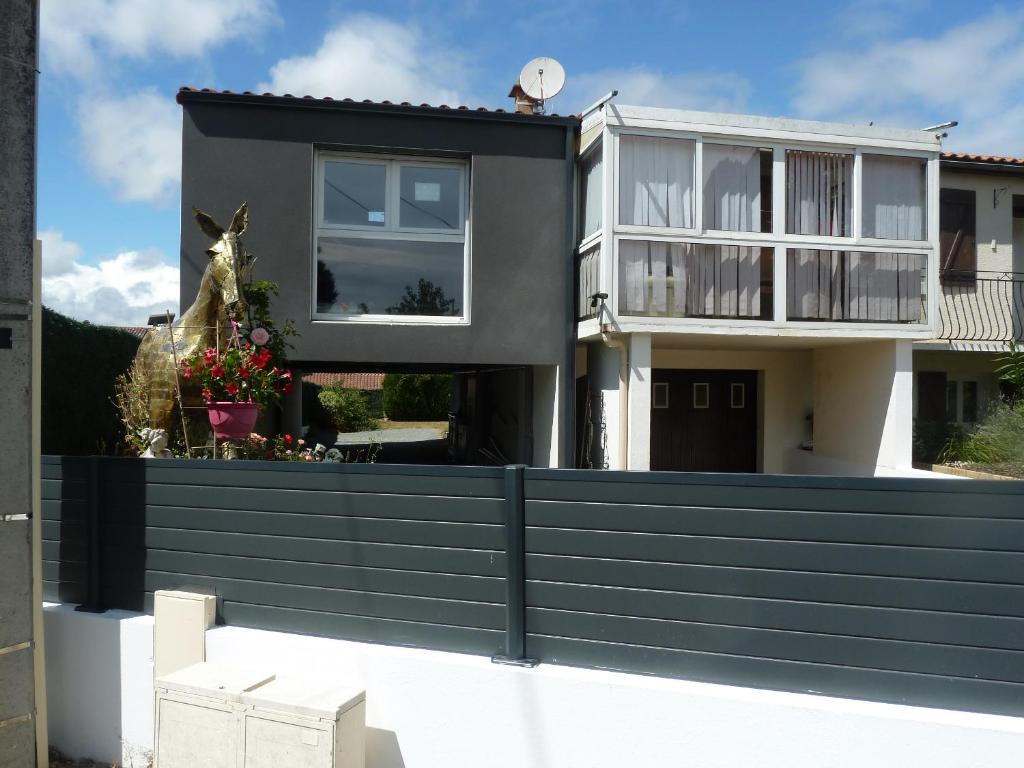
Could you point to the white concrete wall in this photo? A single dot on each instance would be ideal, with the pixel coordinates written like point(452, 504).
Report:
point(603, 368)
point(427, 709)
point(639, 436)
point(787, 396)
point(863, 403)
point(545, 415)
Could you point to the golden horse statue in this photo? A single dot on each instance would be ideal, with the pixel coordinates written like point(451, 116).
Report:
point(220, 300)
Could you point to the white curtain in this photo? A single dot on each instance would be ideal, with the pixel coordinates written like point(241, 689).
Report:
point(894, 195)
point(732, 188)
point(689, 280)
point(819, 193)
point(592, 184)
point(656, 181)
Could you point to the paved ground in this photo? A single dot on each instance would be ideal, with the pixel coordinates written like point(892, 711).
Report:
point(414, 435)
point(412, 445)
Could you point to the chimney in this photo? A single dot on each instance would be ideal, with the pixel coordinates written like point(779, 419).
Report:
point(524, 104)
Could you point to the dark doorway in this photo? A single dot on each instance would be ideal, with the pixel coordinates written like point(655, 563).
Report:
point(704, 421)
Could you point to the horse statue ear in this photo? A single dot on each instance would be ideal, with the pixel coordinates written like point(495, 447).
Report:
point(240, 220)
point(211, 228)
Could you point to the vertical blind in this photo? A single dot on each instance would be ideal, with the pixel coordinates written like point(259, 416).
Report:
point(656, 181)
point(732, 188)
point(592, 203)
point(894, 195)
point(854, 285)
point(819, 193)
point(689, 279)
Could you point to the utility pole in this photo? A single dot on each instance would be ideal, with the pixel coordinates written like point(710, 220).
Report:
point(22, 691)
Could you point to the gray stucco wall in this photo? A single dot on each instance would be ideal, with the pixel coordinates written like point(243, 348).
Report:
point(263, 151)
point(19, 23)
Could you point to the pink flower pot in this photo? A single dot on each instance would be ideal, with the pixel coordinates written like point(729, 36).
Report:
point(233, 421)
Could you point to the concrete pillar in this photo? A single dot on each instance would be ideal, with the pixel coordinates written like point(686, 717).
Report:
point(864, 403)
point(606, 368)
point(639, 417)
point(545, 416)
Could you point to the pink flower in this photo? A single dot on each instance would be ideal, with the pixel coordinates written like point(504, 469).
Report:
point(259, 336)
point(207, 395)
point(187, 373)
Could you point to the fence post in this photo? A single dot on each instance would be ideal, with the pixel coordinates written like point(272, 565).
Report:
point(515, 570)
point(92, 525)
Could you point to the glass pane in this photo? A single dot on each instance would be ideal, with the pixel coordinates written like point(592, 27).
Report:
point(354, 193)
point(819, 193)
point(656, 181)
point(389, 277)
point(855, 286)
point(661, 279)
point(430, 198)
point(591, 203)
point(737, 188)
point(894, 197)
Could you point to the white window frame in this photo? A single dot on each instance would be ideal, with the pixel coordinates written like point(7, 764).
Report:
point(392, 230)
point(777, 238)
point(706, 387)
point(734, 387)
point(659, 387)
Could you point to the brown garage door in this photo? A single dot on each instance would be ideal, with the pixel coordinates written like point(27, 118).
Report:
point(704, 421)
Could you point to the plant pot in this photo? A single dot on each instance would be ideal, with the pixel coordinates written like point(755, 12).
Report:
point(233, 421)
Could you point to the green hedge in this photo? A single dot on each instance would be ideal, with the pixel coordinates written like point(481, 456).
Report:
point(79, 363)
point(417, 397)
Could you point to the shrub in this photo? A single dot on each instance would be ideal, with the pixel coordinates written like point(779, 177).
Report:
point(417, 397)
point(80, 362)
point(347, 409)
point(999, 439)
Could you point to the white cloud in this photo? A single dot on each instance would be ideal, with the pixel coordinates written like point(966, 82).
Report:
point(78, 34)
point(124, 289)
point(133, 145)
point(59, 255)
point(369, 57)
point(973, 73)
point(644, 87)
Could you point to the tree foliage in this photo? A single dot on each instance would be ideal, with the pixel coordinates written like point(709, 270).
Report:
point(425, 299)
point(417, 397)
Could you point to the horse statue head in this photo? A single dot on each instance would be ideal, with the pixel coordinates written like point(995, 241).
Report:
point(230, 263)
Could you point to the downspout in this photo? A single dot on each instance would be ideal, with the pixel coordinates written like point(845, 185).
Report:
point(567, 371)
point(616, 341)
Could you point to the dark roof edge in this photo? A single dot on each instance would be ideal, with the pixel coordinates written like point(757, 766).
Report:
point(981, 166)
point(191, 95)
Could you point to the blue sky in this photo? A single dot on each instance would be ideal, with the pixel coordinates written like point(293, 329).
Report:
point(109, 129)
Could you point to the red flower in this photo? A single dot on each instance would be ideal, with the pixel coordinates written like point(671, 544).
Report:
point(187, 373)
point(243, 372)
point(288, 439)
point(211, 355)
point(287, 387)
point(217, 371)
point(207, 395)
point(260, 361)
point(231, 388)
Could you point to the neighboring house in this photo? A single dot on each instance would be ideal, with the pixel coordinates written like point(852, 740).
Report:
point(750, 289)
point(981, 304)
point(405, 238)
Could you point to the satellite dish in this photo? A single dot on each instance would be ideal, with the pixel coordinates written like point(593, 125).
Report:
point(542, 78)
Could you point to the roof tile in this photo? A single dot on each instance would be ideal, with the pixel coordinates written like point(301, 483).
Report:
point(972, 158)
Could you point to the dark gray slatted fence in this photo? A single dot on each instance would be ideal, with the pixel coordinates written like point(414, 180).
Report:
point(887, 589)
point(900, 590)
point(401, 555)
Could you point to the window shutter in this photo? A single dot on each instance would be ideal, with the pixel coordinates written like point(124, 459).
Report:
point(931, 396)
point(958, 251)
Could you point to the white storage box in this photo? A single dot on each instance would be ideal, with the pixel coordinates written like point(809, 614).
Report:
point(218, 716)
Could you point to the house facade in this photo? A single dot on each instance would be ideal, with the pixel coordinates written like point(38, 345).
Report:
point(750, 290)
point(405, 238)
point(981, 288)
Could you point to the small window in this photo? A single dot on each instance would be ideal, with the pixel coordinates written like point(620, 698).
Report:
point(591, 183)
point(737, 188)
point(819, 193)
point(355, 194)
point(701, 395)
point(958, 250)
point(952, 401)
point(970, 402)
point(656, 181)
point(894, 197)
point(659, 397)
point(738, 395)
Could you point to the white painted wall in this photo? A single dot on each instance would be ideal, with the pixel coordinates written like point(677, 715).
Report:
point(427, 709)
point(994, 221)
point(639, 435)
point(603, 367)
point(787, 396)
point(863, 403)
point(545, 415)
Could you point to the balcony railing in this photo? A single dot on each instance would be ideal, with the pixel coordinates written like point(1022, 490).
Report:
point(982, 306)
point(662, 279)
point(855, 286)
point(588, 267)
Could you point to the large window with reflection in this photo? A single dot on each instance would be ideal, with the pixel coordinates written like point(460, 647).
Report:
point(390, 238)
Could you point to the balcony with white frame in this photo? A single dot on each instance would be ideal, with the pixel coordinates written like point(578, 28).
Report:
point(796, 228)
